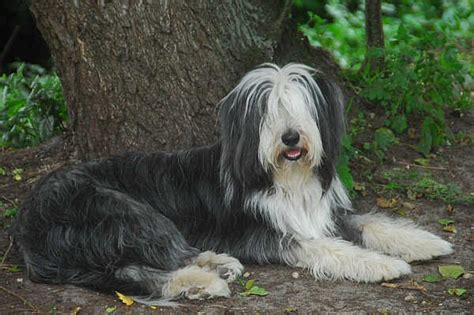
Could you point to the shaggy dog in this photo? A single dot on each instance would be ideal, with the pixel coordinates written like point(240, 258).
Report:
point(166, 225)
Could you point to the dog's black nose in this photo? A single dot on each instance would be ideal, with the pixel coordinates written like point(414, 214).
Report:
point(291, 137)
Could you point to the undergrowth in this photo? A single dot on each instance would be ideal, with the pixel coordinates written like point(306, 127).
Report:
point(422, 184)
point(32, 107)
point(428, 67)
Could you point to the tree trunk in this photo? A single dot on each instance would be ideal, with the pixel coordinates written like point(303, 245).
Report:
point(145, 75)
point(374, 56)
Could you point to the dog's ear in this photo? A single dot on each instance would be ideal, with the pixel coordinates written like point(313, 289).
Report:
point(331, 123)
point(240, 128)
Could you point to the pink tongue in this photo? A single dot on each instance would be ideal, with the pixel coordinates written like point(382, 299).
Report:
point(293, 153)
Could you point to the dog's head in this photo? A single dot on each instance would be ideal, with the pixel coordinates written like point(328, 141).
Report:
point(279, 121)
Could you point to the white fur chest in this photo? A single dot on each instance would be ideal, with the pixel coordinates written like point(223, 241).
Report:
point(297, 207)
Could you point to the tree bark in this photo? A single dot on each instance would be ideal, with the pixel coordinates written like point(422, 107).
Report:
point(374, 56)
point(146, 75)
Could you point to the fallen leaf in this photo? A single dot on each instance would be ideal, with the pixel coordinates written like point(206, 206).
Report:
point(249, 284)
point(408, 205)
point(450, 228)
point(76, 310)
point(14, 269)
point(125, 299)
point(457, 291)
point(422, 162)
point(450, 209)
point(385, 203)
point(412, 195)
point(433, 278)
point(451, 271)
point(110, 309)
point(153, 307)
point(445, 221)
point(257, 291)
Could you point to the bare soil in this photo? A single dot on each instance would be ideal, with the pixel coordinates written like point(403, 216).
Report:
point(287, 293)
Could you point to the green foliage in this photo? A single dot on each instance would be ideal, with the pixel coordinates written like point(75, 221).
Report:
point(343, 168)
point(10, 212)
point(457, 291)
point(32, 107)
point(423, 76)
point(344, 36)
point(451, 271)
point(428, 67)
point(251, 289)
point(422, 184)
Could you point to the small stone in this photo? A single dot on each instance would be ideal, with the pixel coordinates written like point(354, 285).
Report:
point(295, 275)
point(409, 297)
point(467, 276)
point(424, 302)
point(246, 275)
point(19, 280)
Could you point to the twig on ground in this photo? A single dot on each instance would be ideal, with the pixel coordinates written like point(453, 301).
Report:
point(424, 166)
point(409, 286)
point(25, 301)
point(10, 201)
point(7, 252)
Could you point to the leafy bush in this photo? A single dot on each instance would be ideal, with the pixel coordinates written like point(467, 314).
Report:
point(32, 107)
point(423, 76)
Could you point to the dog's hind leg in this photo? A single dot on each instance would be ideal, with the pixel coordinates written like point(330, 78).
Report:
point(398, 237)
point(191, 282)
point(227, 267)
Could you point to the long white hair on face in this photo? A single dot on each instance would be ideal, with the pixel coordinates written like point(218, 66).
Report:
point(266, 103)
point(286, 98)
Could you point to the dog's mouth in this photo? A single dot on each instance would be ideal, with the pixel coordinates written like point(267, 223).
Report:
point(293, 154)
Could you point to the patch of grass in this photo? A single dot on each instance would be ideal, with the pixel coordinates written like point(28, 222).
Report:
point(416, 183)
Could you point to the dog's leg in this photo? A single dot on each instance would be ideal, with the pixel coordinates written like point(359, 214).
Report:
point(195, 283)
point(337, 259)
point(398, 237)
point(227, 267)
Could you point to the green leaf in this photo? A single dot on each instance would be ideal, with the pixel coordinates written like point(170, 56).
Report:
point(399, 124)
point(433, 278)
point(445, 221)
point(423, 162)
point(255, 291)
point(249, 284)
point(451, 271)
point(110, 309)
point(14, 269)
point(384, 138)
point(258, 291)
point(3, 172)
point(457, 291)
point(344, 172)
point(10, 212)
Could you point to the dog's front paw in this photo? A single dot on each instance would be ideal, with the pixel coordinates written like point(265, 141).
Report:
point(426, 248)
point(384, 268)
point(227, 267)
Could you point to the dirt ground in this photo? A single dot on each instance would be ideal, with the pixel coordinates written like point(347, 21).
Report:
point(287, 293)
